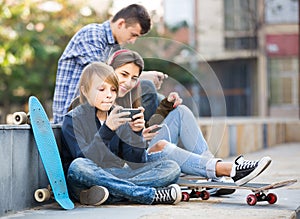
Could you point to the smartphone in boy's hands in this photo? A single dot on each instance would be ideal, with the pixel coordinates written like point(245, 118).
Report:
point(133, 111)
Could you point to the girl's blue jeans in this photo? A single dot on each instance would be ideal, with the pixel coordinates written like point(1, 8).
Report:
point(193, 156)
point(123, 184)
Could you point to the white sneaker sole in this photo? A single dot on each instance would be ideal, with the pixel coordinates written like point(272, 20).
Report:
point(262, 165)
point(178, 193)
point(96, 195)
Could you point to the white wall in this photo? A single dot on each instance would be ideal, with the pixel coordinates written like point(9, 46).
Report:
point(210, 29)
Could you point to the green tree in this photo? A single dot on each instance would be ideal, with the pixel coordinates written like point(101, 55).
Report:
point(33, 35)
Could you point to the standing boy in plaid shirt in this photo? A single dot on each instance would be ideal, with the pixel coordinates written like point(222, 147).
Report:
point(95, 42)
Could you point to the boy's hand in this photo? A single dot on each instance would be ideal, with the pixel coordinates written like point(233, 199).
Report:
point(155, 76)
point(174, 97)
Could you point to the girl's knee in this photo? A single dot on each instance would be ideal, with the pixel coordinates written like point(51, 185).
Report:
point(79, 162)
point(159, 146)
point(81, 165)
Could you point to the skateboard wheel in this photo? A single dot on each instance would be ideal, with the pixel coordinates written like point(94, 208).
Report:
point(251, 199)
point(205, 195)
point(185, 197)
point(19, 118)
point(272, 198)
point(42, 195)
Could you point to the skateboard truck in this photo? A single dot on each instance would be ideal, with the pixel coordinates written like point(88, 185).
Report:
point(204, 195)
point(252, 199)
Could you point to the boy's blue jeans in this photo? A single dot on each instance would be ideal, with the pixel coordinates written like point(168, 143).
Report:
point(123, 184)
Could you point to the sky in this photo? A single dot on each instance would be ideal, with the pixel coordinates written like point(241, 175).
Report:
point(149, 4)
point(174, 11)
point(177, 11)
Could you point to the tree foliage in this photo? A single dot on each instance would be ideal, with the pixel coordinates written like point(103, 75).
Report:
point(33, 35)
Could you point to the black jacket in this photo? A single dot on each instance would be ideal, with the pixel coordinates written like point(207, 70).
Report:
point(84, 136)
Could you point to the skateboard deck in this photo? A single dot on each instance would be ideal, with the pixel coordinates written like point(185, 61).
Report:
point(259, 189)
point(48, 150)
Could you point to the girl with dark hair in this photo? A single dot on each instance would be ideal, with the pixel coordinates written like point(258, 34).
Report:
point(177, 122)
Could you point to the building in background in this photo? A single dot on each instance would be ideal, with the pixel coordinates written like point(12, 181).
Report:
point(281, 35)
point(251, 45)
point(253, 48)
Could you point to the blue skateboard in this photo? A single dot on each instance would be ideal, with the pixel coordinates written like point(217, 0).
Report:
point(48, 150)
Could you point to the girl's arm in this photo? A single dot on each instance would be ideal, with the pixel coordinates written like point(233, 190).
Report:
point(133, 145)
point(84, 141)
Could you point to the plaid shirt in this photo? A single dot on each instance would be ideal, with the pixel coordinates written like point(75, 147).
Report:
point(94, 42)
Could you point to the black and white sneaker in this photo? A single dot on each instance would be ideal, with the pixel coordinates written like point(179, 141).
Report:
point(220, 191)
point(96, 195)
point(168, 195)
point(245, 170)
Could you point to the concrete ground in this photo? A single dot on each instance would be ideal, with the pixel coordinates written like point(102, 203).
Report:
point(285, 166)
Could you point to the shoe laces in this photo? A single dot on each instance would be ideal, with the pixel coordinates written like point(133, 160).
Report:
point(246, 164)
point(163, 195)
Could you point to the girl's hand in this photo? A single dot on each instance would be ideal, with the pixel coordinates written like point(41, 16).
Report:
point(174, 97)
point(148, 133)
point(116, 119)
point(138, 122)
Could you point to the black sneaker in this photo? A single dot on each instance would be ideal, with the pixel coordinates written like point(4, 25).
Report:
point(95, 195)
point(220, 191)
point(168, 195)
point(246, 170)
